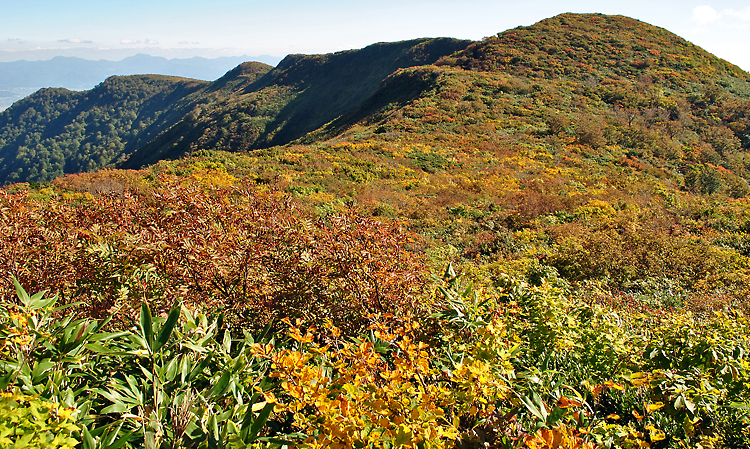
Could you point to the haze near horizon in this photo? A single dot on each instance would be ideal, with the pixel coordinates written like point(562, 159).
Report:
point(94, 30)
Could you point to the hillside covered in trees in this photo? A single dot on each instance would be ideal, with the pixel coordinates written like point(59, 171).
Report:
point(538, 240)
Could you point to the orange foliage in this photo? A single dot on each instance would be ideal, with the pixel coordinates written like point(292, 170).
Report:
point(251, 253)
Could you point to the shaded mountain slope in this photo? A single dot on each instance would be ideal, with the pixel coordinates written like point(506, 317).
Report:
point(301, 94)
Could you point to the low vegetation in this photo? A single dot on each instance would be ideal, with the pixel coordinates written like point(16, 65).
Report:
point(548, 252)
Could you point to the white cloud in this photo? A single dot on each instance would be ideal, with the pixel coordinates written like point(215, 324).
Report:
point(743, 14)
point(705, 14)
point(151, 42)
point(75, 41)
point(183, 43)
point(129, 41)
point(17, 40)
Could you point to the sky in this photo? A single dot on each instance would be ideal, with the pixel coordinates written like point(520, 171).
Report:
point(113, 30)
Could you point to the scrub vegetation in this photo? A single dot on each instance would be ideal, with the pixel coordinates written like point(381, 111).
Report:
point(538, 240)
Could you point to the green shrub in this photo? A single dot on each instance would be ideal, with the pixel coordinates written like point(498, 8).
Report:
point(30, 422)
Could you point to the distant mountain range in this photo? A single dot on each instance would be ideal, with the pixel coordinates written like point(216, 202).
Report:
point(21, 78)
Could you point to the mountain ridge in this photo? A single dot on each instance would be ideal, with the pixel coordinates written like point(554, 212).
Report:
point(21, 78)
point(589, 39)
point(554, 79)
point(299, 95)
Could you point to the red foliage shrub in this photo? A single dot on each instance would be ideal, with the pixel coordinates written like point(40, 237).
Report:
point(252, 254)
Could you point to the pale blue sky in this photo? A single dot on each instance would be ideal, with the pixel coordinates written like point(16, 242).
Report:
point(103, 29)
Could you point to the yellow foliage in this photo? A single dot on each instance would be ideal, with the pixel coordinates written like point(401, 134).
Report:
point(595, 208)
point(561, 437)
point(356, 394)
point(212, 177)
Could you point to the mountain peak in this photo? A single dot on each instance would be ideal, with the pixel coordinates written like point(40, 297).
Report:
point(584, 45)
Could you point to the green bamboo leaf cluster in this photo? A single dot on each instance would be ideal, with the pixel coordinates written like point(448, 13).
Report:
point(177, 381)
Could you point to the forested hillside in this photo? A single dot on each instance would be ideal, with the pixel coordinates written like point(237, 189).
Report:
point(57, 131)
point(301, 94)
point(540, 240)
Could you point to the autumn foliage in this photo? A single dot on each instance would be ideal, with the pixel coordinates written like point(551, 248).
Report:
point(541, 241)
point(249, 253)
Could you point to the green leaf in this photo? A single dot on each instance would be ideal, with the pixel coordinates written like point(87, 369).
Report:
point(555, 415)
point(104, 336)
point(120, 442)
point(227, 342)
point(146, 373)
point(739, 406)
point(88, 440)
point(469, 290)
point(260, 421)
point(39, 302)
point(184, 368)
point(213, 426)
point(135, 389)
point(450, 273)
point(266, 332)
point(150, 440)
point(193, 431)
point(5, 380)
point(221, 385)
point(115, 408)
point(201, 366)
point(21, 293)
point(147, 329)
point(166, 330)
point(194, 347)
point(112, 396)
point(41, 367)
point(171, 371)
point(138, 340)
point(247, 420)
point(34, 302)
point(531, 407)
point(99, 348)
point(75, 334)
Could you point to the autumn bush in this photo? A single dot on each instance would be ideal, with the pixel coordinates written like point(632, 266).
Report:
point(622, 254)
point(248, 252)
point(516, 366)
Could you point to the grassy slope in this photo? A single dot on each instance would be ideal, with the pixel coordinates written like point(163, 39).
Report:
point(624, 173)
